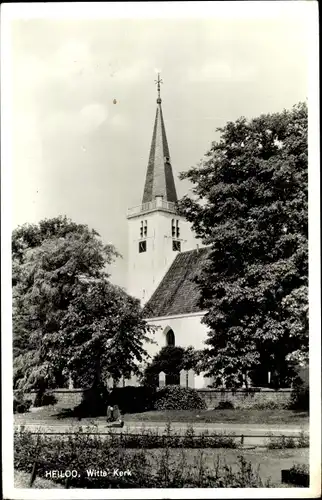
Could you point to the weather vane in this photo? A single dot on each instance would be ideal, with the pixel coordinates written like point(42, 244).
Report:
point(158, 81)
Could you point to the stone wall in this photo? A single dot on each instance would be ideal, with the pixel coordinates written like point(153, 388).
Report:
point(65, 397)
point(242, 398)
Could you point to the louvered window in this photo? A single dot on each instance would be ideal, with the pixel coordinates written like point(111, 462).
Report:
point(176, 246)
point(142, 246)
point(175, 229)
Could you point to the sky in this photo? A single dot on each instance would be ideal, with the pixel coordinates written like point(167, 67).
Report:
point(84, 102)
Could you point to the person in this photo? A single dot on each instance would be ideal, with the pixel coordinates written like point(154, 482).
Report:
point(116, 413)
point(110, 414)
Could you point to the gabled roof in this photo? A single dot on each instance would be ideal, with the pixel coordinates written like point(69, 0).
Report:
point(177, 292)
point(159, 177)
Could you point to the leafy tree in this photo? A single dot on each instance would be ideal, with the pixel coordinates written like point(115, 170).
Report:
point(102, 334)
point(249, 204)
point(171, 360)
point(60, 317)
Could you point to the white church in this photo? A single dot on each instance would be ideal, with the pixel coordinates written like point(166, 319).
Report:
point(164, 255)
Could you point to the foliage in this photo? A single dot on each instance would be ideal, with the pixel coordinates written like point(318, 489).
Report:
point(300, 396)
point(84, 452)
point(173, 397)
point(171, 360)
point(250, 201)
point(67, 316)
point(269, 405)
point(225, 405)
point(132, 399)
point(303, 441)
point(20, 404)
point(45, 399)
point(284, 442)
point(153, 439)
point(80, 452)
point(103, 334)
point(298, 474)
point(300, 469)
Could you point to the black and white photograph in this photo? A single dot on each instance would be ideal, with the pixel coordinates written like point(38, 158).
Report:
point(160, 250)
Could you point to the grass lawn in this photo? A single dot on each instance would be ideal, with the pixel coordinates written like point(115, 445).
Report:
point(54, 414)
point(270, 462)
point(240, 416)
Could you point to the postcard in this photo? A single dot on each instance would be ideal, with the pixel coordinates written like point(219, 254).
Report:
point(160, 250)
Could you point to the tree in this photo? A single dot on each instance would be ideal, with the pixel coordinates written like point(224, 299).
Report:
point(171, 360)
point(102, 334)
point(249, 204)
point(60, 319)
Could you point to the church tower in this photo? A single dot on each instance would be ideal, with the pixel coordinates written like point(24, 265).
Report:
point(156, 232)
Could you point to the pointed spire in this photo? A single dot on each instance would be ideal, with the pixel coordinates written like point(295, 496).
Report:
point(159, 177)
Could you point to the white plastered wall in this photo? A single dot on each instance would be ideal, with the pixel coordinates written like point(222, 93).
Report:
point(188, 331)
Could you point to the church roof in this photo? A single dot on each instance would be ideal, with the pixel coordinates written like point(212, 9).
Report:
point(177, 292)
point(159, 177)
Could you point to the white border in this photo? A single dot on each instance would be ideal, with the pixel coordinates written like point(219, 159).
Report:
point(256, 9)
point(161, 10)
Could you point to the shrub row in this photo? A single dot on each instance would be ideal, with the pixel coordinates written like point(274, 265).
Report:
point(283, 442)
point(152, 439)
point(82, 453)
point(139, 399)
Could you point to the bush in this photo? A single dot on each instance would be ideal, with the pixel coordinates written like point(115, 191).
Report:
point(45, 399)
point(300, 469)
point(132, 399)
point(300, 396)
point(303, 441)
point(207, 440)
point(174, 397)
point(20, 404)
point(283, 442)
point(225, 405)
point(94, 402)
point(270, 405)
point(298, 475)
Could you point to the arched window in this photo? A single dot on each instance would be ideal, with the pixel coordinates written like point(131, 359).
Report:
point(170, 337)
